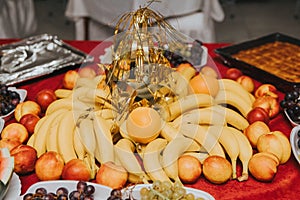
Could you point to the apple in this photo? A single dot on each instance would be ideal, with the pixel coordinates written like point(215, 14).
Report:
point(49, 166)
point(27, 107)
point(15, 131)
point(112, 175)
point(258, 114)
point(270, 104)
point(87, 72)
point(45, 97)
point(25, 158)
point(266, 90)
point(76, 169)
point(246, 82)
point(69, 79)
point(233, 73)
point(29, 121)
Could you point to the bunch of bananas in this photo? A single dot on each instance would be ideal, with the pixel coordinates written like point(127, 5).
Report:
point(81, 124)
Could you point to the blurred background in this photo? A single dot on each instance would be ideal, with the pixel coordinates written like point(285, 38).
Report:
point(243, 19)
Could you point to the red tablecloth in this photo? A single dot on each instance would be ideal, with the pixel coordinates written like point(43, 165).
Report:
point(286, 184)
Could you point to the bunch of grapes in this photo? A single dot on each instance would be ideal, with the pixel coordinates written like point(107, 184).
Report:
point(291, 103)
point(83, 192)
point(8, 100)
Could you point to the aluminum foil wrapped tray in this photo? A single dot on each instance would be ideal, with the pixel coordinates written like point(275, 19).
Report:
point(36, 56)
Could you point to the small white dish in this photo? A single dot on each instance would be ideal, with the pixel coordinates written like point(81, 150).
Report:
point(2, 122)
point(294, 140)
point(22, 93)
point(14, 188)
point(197, 193)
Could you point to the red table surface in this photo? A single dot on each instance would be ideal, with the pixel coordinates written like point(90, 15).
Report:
point(285, 185)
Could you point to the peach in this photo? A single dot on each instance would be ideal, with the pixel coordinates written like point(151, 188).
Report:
point(270, 143)
point(262, 167)
point(255, 130)
point(258, 114)
point(15, 131)
point(49, 166)
point(45, 97)
point(246, 82)
point(202, 84)
point(233, 73)
point(25, 158)
point(112, 175)
point(189, 169)
point(209, 71)
point(270, 104)
point(266, 90)
point(29, 121)
point(76, 169)
point(69, 79)
point(27, 107)
point(9, 143)
point(87, 72)
point(217, 169)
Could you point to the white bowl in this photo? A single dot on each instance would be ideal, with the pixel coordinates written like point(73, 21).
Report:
point(289, 118)
point(293, 140)
point(22, 93)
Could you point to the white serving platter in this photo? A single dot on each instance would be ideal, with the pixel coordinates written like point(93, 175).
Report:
point(294, 140)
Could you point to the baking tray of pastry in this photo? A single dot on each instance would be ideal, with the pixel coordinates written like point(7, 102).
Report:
point(274, 58)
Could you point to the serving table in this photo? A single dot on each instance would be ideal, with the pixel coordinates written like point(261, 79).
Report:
point(285, 185)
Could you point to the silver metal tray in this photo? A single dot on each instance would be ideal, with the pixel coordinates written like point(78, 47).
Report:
point(35, 57)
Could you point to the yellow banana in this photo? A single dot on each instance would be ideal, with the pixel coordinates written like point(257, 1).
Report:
point(201, 156)
point(63, 93)
point(229, 143)
point(246, 151)
point(151, 160)
point(65, 103)
point(169, 132)
point(233, 118)
point(106, 113)
point(124, 150)
point(85, 83)
point(192, 101)
point(208, 116)
point(208, 141)
point(103, 139)
point(234, 86)
point(231, 98)
point(174, 149)
point(51, 143)
point(78, 146)
point(30, 141)
point(41, 132)
point(65, 135)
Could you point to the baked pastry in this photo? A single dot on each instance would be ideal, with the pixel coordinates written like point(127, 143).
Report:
point(281, 59)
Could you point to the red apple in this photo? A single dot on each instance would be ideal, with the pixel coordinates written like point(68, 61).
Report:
point(45, 97)
point(25, 158)
point(76, 169)
point(246, 82)
point(270, 104)
point(29, 121)
point(233, 73)
point(258, 114)
point(266, 90)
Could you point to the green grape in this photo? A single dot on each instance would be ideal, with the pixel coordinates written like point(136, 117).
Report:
point(156, 185)
point(190, 196)
point(144, 191)
point(181, 191)
point(166, 185)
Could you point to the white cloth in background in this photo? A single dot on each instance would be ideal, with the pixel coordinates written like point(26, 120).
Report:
point(195, 18)
point(17, 18)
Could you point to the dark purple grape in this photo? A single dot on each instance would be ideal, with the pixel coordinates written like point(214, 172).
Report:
point(49, 196)
point(88, 198)
point(298, 143)
point(89, 190)
point(74, 195)
point(14, 95)
point(81, 186)
point(62, 197)
point(298, 133)
point(28, 196)
point(116, 193)
point(41, 191)
point(5, 110)
point(62, 190)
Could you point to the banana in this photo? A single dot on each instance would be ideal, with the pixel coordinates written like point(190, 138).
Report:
point(103, 139)
point(208, 141)
point(106, 113)
point(229, 143)
point(41, 131)
point(169, 132)
point(65, 135)
point(209, 115)
point(234, 86)
point(63, 93)
point(78, 146)
point(231, 98)
point(174, 149)
point(65, 103)
point(51, 143)
point(86, 83)
point(151, 160)
point(201, 156)
point(189, 102)
point(233, 118)
point(124, 150)
point(246, 151)
point(30, 141)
